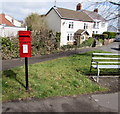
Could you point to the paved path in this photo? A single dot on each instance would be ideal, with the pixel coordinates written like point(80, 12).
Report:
point(81, 103)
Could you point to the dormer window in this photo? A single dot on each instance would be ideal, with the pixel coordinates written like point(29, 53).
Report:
point(71, 24)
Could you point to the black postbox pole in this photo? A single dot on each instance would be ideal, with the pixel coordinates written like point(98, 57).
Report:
point(26, 73)
point(25, 51)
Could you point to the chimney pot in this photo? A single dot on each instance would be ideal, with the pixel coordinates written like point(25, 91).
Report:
point(96, 10)
point(78, 7)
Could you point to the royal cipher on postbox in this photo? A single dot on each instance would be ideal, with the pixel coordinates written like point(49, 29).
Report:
point(25, 43)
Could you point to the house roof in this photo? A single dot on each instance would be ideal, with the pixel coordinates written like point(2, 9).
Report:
point(94, 15)
point(81, 31)
point(71, 14)
point(3, 20)
point(112, 28)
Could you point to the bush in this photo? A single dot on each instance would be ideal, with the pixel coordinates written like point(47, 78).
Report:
point(110, 34)
point(105, 36)
point(45, 42)
point(100, 36)
point(101, 40)
point(89, 42)
point(9, 47)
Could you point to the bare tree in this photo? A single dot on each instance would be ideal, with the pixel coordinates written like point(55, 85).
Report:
point(109, 10)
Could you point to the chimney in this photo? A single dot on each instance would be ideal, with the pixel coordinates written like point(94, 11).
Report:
point(78, 7)
point(96, 10)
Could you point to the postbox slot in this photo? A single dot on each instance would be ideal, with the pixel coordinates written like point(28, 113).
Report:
point(25, 36)
point(24, 42)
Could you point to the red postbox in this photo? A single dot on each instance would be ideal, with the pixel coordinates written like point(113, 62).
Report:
point(25, 43)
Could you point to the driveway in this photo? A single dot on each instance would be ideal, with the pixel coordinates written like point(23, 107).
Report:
point(113, 47)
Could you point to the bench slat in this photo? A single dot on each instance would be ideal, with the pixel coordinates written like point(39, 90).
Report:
point(106, 66)
point(105, 62)
point(106, 54)
point(105, 58)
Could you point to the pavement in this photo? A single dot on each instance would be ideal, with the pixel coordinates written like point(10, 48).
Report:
point(107, 100)
point(81, 103)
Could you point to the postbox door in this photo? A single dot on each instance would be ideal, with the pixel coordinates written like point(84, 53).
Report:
point(25, 49)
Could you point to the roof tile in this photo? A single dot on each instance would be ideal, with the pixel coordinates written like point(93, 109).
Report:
point(75, 15)
point(3, 20)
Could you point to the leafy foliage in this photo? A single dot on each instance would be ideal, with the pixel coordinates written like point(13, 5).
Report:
point(100, 36)
point(35, 22)
point(9, 47)
point(45, 42)
point(88, 42)
point(110, 34)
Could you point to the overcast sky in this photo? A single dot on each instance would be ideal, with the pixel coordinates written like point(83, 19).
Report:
point(20, 9)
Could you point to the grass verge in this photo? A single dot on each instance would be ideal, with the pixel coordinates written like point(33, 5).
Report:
point(60, 77)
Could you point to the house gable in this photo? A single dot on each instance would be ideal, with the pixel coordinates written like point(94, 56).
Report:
point(13, 21)
point(4, 21)
point(53, 20)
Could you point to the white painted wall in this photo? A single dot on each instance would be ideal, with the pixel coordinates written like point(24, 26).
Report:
point(65, 30)
point(53, 21)
point(15, 22)
point(10, 31)
point(101, 28)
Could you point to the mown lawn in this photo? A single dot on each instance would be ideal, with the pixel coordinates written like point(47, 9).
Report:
point(60, 77)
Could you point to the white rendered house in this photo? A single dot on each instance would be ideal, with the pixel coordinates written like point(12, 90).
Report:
point(100, 24)
point(68, 22)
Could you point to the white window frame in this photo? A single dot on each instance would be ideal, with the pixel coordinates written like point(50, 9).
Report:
point(71, 25)
point(103, 24)
point(85, 26)
point(96, 25)
point(70, 37)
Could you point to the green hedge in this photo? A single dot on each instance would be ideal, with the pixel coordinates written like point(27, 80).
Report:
point(110, 34)
point(42, 43)
point(89, 42)
point(100, 36)
point(9, 47)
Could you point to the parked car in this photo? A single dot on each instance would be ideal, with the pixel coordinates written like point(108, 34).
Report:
point(117, 38)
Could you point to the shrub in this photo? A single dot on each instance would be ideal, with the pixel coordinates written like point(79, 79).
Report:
point(100, 36)
point(101, 40)
point(45, 42)
point(9, 47)
point(110, 34)
point(88, 42)
point(105, 36)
